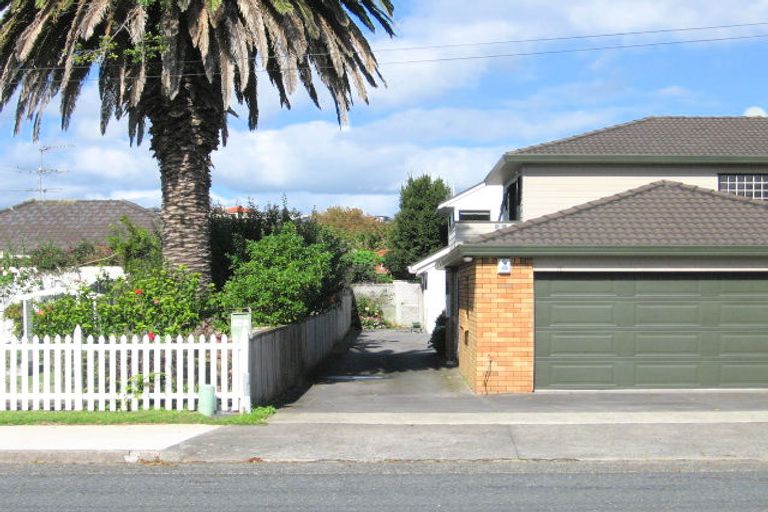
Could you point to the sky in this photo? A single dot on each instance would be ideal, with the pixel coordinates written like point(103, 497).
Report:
point(448, 114)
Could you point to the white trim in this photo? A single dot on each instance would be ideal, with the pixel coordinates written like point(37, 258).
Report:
point(449, 203)
point(650, 269)
point(640, 264)
point(424, 265)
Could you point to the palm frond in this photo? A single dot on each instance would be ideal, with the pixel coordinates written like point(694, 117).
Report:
point(216, 47)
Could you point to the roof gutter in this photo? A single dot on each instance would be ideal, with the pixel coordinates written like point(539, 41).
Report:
point(457, 255)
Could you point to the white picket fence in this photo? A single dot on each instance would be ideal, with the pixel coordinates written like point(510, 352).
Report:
point(121, 373)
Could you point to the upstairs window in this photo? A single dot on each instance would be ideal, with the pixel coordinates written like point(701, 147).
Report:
point(754, 186)
point(513, 198)
point(474, 215)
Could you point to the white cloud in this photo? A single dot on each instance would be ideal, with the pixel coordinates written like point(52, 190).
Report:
point(755, 112)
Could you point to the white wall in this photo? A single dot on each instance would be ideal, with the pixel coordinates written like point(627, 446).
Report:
point(434, 298)
point(553, 188)
point(488, 197)
point(400, 300)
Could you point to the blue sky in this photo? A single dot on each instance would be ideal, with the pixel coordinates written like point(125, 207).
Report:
point(451, 119)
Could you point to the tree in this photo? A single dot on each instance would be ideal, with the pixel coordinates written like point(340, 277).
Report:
point(361, 231)
point(418, 229)
point(179, 65)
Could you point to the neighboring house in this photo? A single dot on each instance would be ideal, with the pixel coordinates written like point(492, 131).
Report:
point(630, 257)
point(65, 224)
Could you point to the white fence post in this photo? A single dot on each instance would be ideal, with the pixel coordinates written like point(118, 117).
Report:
point(77, 368)
point(240, 326)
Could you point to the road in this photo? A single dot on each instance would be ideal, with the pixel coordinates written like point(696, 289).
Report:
point(388, 486)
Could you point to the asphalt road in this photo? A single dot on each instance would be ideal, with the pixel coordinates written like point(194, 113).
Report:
point(417, 486)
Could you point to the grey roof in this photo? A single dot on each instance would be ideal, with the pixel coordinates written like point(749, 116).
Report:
point(661, 214)
point(66, 223)
point(666, 136)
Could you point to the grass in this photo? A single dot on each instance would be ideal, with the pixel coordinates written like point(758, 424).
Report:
point(256, 417)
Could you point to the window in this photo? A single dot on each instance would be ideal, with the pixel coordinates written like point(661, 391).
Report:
point(474, 215)
point(754, 186)
point(513, 199)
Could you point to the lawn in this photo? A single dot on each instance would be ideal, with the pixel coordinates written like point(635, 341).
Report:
point(257, 416)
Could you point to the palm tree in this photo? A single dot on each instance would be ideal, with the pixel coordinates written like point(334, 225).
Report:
point(181, 64)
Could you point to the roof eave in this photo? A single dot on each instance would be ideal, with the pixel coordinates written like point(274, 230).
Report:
point(514, 160)
point(456, 256)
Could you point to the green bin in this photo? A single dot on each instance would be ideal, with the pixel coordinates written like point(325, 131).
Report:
point(206, 400)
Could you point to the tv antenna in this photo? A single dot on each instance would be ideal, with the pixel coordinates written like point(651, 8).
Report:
point(42, 171)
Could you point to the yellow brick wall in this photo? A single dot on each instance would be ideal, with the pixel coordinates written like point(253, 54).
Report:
point(496, 326)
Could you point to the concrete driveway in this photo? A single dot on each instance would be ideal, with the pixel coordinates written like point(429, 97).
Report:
point(392, 376)
point(388, 398)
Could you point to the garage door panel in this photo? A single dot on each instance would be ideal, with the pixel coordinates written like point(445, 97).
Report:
point(585, 313)
point(740, 345)
point(742, 375)
point(668, 288)
point(581, 288)
point(577, 376)
point(744, 314)
point(579, 344)
point(651, 331)
point(665, 314)
point(665, 344)
point(666, 375)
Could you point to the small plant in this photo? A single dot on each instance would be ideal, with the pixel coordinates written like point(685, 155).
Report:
point(371, 314)
point(438, 340)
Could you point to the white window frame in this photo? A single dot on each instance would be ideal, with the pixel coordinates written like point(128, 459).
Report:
point(753, 185)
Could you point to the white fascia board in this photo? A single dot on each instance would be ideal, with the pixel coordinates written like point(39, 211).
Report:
point(430, 261)
point(450, 203)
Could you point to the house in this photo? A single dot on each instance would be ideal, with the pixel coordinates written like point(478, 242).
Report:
point(635, 256)
point(65, 224)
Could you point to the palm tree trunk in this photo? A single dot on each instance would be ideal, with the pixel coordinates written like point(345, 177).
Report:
point(185, 131)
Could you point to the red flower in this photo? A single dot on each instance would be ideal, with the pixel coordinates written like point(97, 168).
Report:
point(151, 336)
point(138, 291)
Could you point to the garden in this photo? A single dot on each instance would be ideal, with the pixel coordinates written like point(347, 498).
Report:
point(267, 260)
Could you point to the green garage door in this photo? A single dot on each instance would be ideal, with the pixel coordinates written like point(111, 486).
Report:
point(641, 330)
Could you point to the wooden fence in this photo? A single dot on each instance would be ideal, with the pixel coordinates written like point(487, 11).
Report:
point(280, 358)
point(118, 373)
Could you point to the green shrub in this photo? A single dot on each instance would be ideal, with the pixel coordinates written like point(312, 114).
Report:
point(136, 249)
point(371, 314)
point(362, 266)
point(14, 313)
point(159, 301)
point(283, 278)
point(438, 340)
point(50, 257)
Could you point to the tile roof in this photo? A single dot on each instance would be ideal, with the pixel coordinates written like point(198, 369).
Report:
point(66, 223)
point(661, 214)
point(666, 136)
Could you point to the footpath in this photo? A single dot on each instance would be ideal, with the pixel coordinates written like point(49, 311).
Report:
point(388, 399)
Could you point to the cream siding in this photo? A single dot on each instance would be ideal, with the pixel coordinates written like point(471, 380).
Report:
point(551, 189)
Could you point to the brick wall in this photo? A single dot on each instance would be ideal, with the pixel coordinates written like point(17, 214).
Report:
point(496, 326)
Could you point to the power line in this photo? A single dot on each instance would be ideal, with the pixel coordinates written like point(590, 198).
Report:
point(508, 41)
point(512, 54)
point(578, 50)
point(572, 37)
